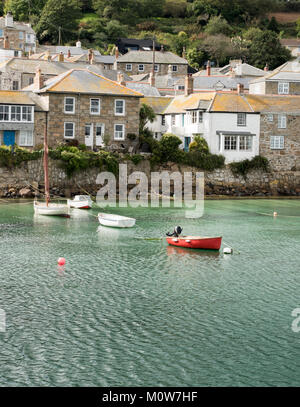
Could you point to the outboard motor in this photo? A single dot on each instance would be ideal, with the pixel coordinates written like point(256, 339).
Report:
point(176, 233)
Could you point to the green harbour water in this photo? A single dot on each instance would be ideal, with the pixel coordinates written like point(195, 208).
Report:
point(128, 310)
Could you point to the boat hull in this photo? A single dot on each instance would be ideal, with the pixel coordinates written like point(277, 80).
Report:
point(115, 221)
point(53, 209)
point(79, 205)
point(195, 242)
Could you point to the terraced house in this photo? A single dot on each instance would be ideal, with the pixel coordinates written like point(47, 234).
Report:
point(16, 35)
point(85, 106)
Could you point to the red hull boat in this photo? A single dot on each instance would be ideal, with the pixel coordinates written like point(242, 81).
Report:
point(196, 242)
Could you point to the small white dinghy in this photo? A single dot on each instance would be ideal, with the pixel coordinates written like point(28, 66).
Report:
point(80, 202)
point(115, 221)
point(54, 209)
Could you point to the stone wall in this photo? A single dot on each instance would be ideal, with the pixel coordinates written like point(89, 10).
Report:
point(287, 158)
point(219, 182)
point(272, 87)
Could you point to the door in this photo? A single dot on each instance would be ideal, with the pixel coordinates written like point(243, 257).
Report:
point(9, 137)
point(89, 135)
point(187, 141)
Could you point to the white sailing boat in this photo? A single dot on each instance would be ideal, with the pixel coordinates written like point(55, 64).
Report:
point(116, 221)
point(47, 207)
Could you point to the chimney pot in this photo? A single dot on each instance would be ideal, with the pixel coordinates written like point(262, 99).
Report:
point(120, 79)
point(117, 52)
point(61, 57)
point(240, 88)
point(69, 53)
point(78, 44)
point(162, 48)
point(208, 68)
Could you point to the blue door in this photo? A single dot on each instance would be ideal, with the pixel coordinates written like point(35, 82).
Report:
point(9, 137)
point(187, 141)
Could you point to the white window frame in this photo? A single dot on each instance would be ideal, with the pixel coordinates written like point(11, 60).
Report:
point(102, 126)
point(200, 117)
point(99, 106)
point(174, 68)
point(282, 121)
point(270, 117)
point(277, 142)
point(173, 119)
point(118, 131)
point(241, 119)
point(26, 135)
point(139, 67)
point(116, 113)
point(193, 116)
point(21, 35)
point(65, 105)
point(163, 120)
point(65, 130)
point(248, 145)
point(27, 113)
point(283, 88)
point(128, 67)
point(231, 143)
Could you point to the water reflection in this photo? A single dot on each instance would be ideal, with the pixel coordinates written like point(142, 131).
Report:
point(194, 253)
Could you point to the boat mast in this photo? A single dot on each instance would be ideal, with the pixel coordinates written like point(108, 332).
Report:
point(46, 173)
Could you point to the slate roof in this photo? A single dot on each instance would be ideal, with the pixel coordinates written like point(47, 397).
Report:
point(158, 104)
point(165, 57)
point(219, 82)
point(17, 25)
point(143, 88)
point(124, 43)
point(86, 82)
point(182, 103)
point(57, 49)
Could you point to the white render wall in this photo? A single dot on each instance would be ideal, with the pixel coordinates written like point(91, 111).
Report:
point(258, 88)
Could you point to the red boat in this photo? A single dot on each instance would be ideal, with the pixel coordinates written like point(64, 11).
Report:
point(196, 242)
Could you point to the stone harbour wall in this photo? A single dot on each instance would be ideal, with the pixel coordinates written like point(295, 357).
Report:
point(28, 181)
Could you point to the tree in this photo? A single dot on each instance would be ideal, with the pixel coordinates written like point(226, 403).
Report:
point(265, 48)
point(146, 115)
point(195, 57)
point(59, 13)
point(273, 25)
point(199, 144)
point(218, 25)
point(23, 9)
point(219, 48)
point(115, 30)
point(175, 8)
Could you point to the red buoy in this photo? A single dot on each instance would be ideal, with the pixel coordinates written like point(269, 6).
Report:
point(61, 261)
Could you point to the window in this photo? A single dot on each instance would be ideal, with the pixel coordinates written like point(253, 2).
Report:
point(1, 33)
point(163, 120)
point(270, 117)
point(16, 53)
point(99, 134)
point(15, 114)
point(27, 114)
point(26, 138)
point(30, 38)
point(194, 116)
point(282, 121)
point(245, 143)
point(128, 67)
point(119, 107)
point(141, 68)
point(173, 119)
point(69, 105)
point(230, 142)
point(200, 118)
point(31, 80)
point(69, 130)
point(15, 85)
point(21, 35)
point(156, 68)
point(95, 106)
point(283, 88)
point(180, 87)
point(277, 142)
point(4, 113)
point(174, 68)
point(241, 119)
point(119, 132)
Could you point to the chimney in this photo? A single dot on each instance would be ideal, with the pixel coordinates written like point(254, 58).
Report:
point(61, 57)
point(69, 53)
point(78, 44)
point(266, 68)
point(38, 81)
point(151, 79)
point(9, 20)
point(162, 48)
point(231, 72)
point(208, 68)
point(240, 88)
point(91, 56)
point(184, 53)
point(189, 85)
point(47, 56)
point(120, 79)
point(6, 42)
point(117, 52)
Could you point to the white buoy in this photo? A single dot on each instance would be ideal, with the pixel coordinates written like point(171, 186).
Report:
point(227, 250)
point(275, 213)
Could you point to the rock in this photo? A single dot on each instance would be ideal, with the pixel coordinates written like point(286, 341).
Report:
point(25, 193)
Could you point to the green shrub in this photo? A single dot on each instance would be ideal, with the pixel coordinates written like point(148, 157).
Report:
point(13, 157)
point(243, 167)
point(199, 144)
point(131, 136)
point(204, 161)
point(136, 158)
